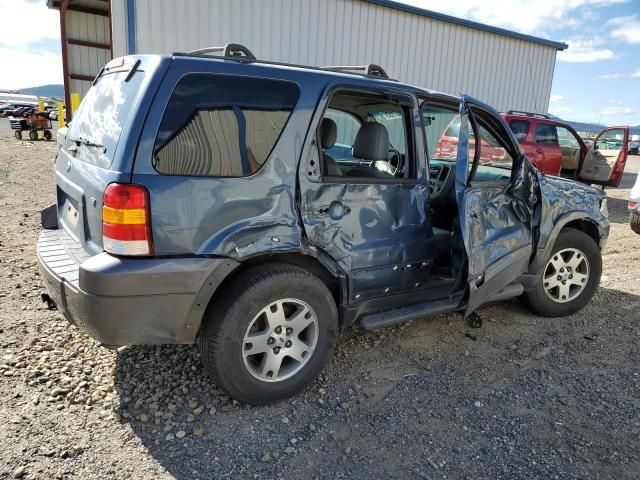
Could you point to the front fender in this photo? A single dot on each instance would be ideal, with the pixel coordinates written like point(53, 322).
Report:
point(565, 201)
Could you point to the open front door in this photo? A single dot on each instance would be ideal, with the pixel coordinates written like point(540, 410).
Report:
point(497, 203)
point(605, 161)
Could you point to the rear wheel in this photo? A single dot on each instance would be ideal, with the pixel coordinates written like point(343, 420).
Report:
point(634, 222)
point(18, 134)
point(33, 135)
point(570, 277)
point(269, 333)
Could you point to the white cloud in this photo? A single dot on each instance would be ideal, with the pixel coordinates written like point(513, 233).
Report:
point(627, 29)
point(616, 111)
point(560, 110)
point(611, 76)
point(29, 69)
point(527, 16)
point(29, 44)
point(26, 22)
point(585, 51)
point(556, 98)
point(636, 74)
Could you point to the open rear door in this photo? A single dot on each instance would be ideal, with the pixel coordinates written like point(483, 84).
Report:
point(605, 161)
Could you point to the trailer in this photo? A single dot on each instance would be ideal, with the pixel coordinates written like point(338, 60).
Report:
point(33, 123)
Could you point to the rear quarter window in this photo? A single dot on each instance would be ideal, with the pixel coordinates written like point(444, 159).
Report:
point(222, 125)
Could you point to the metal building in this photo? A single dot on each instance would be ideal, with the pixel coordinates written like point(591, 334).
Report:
point(506, 69)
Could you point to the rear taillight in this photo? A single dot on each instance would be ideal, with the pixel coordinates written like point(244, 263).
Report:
point(126, 229)
point(632, 204)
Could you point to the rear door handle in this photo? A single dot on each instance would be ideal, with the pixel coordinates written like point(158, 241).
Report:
point(336, 210)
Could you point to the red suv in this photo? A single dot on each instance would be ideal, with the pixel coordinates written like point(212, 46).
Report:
point(556, 148)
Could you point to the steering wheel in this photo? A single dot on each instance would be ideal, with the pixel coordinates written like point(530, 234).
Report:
point(391, 165)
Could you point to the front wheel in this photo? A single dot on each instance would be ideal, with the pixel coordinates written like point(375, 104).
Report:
point(634, 222)
point(570, 277)
point(269, 333)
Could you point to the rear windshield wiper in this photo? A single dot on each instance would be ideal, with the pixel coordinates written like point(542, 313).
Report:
point(87, 143)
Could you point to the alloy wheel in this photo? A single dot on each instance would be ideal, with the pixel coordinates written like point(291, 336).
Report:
point(280, 340)
point(566, 275)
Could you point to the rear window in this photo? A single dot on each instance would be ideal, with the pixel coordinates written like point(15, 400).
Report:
point(102, 115)
point(222, 126)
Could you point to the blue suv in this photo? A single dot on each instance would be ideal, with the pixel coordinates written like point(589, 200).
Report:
point(257, 207)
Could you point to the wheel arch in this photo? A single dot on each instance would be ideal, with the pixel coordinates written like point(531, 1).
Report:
point(576, 220)
point(313, 262)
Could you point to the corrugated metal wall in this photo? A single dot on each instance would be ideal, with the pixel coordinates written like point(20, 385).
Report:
point(84, 60)
point(503, 71)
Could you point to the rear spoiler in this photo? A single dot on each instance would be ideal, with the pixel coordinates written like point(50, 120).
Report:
point(119, 64)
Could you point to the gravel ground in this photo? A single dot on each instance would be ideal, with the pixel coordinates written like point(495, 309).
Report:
point(522, 397)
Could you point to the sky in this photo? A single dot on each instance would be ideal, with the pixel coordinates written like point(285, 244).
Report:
point(597, 79)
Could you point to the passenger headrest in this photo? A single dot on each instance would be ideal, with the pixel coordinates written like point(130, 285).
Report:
point(328, 133)
point(372, 142)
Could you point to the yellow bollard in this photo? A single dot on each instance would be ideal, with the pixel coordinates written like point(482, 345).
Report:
point(41, 109)
point(75, 102)
point(60, 115)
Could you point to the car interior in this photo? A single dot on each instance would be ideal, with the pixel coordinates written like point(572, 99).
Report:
point(570, 149)
point(365, 136)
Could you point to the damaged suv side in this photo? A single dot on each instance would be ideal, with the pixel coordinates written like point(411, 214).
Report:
point(256, 208)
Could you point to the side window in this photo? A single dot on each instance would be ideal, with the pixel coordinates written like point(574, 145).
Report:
point(222, 126)
point(520, 129)
point(366, 135)
point(546, 134)
point(492, 153)
point(566, 139)
point(347, 126)
point(442, 130)
point(610, 140)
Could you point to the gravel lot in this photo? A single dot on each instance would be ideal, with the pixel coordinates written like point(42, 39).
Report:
point(522, 397)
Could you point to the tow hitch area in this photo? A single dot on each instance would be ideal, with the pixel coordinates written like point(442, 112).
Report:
point(474, 320)
point(51, 304)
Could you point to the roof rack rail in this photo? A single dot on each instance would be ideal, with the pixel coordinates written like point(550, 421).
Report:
point(528, 114)
point(371, 70)
point(230, 50)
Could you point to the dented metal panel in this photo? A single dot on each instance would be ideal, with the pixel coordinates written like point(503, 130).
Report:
point(227, 216)
point(384, 243)
point(496, 219)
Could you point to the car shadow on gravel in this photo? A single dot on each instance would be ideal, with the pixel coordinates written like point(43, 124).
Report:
point(422, 400)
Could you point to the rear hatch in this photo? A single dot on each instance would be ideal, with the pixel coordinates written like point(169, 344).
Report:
point(97, 147)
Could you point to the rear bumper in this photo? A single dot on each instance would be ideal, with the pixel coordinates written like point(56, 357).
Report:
point(124, 301)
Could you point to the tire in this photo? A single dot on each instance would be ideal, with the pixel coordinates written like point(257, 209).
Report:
point(242, 308)
point(550, 301)
point(18, 134)
point(33, 135)
point(634, 222)
point(47, 135)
